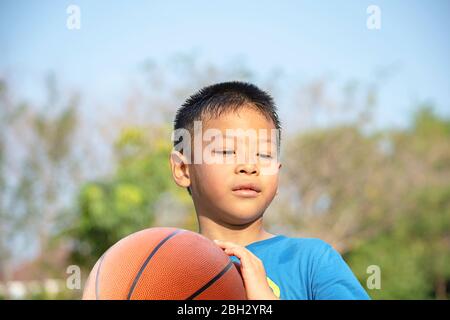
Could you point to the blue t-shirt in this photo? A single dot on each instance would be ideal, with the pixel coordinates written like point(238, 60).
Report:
point(306, 269)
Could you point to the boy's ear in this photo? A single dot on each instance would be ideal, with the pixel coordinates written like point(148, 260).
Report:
point(180, 169)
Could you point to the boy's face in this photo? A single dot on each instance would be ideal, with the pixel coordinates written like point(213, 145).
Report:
point(240, 182)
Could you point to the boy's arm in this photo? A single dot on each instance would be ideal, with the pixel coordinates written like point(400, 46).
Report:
point(333, 280)
point(252, 271)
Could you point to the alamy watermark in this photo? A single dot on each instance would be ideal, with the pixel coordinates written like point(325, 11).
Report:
point(73, 21)
point(233, 146)
point(374, 280)
point(373, 21)
point(73, 281)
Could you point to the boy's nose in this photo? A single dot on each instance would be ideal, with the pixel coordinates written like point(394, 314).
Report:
point(247, 168)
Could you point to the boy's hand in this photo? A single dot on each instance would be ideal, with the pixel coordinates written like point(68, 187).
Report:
point(252, 271)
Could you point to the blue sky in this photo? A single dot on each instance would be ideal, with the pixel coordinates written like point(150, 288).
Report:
point(307, 39)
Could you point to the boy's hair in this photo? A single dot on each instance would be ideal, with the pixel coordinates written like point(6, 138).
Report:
point(212, 101)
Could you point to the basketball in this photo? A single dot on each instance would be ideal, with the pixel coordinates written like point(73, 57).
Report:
point(164, 264)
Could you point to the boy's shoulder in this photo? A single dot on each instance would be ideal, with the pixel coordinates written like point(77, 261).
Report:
point(310, 255)
point(311, 243)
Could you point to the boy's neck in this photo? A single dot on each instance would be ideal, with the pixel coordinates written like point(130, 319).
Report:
point(239, 234)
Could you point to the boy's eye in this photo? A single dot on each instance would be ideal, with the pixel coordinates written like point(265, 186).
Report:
point(265, 156)
point(224, 152)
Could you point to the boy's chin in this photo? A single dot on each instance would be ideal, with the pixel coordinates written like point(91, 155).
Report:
point(242, 217)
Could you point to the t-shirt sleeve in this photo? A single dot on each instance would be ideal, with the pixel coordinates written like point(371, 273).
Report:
point(332, 278)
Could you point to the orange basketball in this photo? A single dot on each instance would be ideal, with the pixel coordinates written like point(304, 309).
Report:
point(164, 264)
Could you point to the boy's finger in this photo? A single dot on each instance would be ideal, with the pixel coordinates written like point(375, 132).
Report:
point(226, 245)
point(241, 253)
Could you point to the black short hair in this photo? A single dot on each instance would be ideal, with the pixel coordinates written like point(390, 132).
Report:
point(212, 101)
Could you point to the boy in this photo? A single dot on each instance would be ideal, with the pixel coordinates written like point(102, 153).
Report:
point(226, 150)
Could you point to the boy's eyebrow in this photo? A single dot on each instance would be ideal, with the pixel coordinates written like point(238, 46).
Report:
point(233, 137)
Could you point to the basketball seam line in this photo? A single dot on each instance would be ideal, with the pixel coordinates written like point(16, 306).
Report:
point(210, 282)
point(136, 279)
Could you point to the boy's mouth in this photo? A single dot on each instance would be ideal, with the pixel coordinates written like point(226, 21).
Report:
point(246, 190)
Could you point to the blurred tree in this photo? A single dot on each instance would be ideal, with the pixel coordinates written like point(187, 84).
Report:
point(115, 207)
point(37, 168)
point(414, 252)
point(379, 197)
point(333, 186)
point(9, 112)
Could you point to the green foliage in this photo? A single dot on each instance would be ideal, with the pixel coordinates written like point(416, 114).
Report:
point(414, 252)
point(115, 207)
point(37, 170)
point(427, 124)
